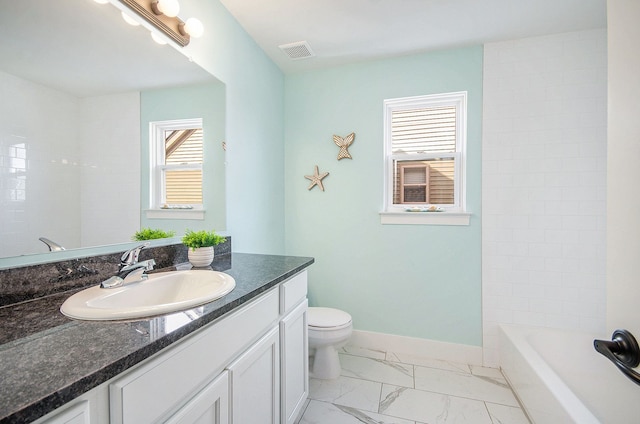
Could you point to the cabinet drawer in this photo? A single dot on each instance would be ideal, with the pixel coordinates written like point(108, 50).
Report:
point(293, 291)
point(158, 388)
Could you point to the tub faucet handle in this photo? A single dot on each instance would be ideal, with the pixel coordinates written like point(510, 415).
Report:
point(623, 351)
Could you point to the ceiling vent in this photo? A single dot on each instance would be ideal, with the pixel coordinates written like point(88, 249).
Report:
point(297, 51)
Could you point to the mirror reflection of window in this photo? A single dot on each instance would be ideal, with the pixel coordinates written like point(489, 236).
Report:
point(183, 167)
point(17, 171)
point(177, 156)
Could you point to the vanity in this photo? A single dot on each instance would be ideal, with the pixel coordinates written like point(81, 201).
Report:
point(239, 359)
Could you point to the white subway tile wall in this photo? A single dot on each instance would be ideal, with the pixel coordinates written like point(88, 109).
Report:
point(544, 184)
point(110, 142)
point(69, 167)
point(38, 151)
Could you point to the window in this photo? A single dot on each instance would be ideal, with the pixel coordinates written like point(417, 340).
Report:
point(177, 155)
point(183, 167)
point(413, 186)
point(425, 140)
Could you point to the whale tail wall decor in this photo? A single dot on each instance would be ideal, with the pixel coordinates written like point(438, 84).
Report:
point(344, 144)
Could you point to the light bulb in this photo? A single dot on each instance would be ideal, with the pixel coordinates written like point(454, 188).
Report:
point(158, 38)
point(128, 19)
point(169, 8)
point(193, 27)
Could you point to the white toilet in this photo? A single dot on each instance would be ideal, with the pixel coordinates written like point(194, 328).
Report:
point(329, 330)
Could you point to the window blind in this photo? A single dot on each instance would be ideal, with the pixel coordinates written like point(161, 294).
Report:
point(188, 151)
point(183, 187)
point(424, 130)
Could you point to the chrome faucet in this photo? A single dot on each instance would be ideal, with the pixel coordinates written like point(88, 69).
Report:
point(52, 245)
point(130, 270)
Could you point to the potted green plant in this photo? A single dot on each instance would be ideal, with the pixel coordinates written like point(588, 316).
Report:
point(152, 234)
point(200, 244)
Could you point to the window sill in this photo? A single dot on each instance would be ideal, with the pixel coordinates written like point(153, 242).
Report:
point(196, 214)
point(425, 218)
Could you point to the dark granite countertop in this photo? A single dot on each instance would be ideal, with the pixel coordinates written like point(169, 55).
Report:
point(48, 359)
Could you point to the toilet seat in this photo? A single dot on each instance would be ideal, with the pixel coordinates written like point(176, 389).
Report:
point(320, 318)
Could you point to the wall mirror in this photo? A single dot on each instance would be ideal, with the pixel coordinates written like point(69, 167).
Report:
point(73, 79)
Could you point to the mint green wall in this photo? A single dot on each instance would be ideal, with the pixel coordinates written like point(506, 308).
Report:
point(254, 127)
point(205, 101)
point(414, 280)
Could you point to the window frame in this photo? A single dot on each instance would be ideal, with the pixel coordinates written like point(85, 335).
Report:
point(157, 165)
point(455, 214)
point(402, 184)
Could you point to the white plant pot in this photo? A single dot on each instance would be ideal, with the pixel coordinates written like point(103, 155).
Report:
point(201, 256)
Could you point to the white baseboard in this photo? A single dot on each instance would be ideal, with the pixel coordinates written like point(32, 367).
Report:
point(433, 349)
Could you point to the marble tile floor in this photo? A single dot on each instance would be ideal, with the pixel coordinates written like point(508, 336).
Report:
point(387, 388)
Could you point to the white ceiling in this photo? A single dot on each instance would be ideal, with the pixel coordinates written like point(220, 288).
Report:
point(344, 31)
point(86, 49)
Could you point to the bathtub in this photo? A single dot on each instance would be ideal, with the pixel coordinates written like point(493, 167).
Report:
point(560, 378)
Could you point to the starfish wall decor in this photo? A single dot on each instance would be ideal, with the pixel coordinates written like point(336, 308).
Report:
point(316, 179)
point(344, 144)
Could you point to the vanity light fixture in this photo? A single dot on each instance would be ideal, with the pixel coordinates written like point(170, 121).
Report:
point(163, 15)
point(158, 38)
point(193, 27)
point(169, 8)
point(128, 19)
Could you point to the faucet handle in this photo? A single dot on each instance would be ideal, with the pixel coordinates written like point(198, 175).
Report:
point(130, 257)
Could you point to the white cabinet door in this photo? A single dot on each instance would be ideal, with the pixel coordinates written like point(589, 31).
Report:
point(76, 414)
point(210, 406)
point(294, 363)
point(156, 389)
point(255, 383)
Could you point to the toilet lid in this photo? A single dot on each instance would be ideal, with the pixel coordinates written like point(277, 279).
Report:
point(327, 317)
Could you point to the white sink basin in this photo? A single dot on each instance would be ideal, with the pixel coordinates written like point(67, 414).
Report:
point(161, 293)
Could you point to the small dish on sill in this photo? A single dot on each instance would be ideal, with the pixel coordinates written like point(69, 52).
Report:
point(424, 209)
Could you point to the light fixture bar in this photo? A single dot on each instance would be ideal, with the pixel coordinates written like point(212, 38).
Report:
point(171, 27)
